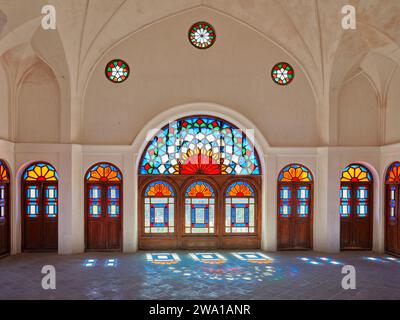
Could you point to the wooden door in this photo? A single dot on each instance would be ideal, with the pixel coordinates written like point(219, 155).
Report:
point(392, 222)
point(295, 216)
point(103, 217)
point(356, 216)
point(4, 219)
point(40, 216)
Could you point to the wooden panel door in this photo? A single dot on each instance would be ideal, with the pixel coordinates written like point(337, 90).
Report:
point(295, 216)
point(40, 216)
point(103, 217)
point(392, 224)
point(4, 220)
point(356, 216)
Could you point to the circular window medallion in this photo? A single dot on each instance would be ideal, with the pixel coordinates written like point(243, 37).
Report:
point(282, 73)
point(117, 71)
point(202, 35)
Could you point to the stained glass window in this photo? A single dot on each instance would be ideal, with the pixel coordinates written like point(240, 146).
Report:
point(32, 201)
point(4, 174)
point(285, 201)
point(345, 201)
point(362, 201)
point(393, 173)
point(356, 173)
point(2, 201)
point(113, 201)
point(94, 201)
point(117, 71)
point(240, 208)
point(159, 211)
point(199, 208)
point(295, 173)
point(200, 145)
point(40, 172)
point(104, 172)
point(51, 201)
point(392, 202)
point(303, 201)
point(282, 73)
point(202, 35)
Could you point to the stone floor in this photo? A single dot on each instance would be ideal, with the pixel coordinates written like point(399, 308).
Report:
point(287, 275)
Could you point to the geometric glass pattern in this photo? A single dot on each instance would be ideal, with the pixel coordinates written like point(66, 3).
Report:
point(345, 201)
point(94, 201)
point(199, 208)
point(51, 201)
point(282, 73)
point(159, 208)
point(40, 172)
point(295, 173)
point(362, 201)
point(393, 173)
point(200, 145)
point(32, 201)
point(104, 172)
point(285, 200)
point(392, 202)
point(202, 35)
point(2, 201)
point(356, 173)
point(4, 174)
point(303, 200)
point(239, 208)
point(113, 201)
point(117, 71)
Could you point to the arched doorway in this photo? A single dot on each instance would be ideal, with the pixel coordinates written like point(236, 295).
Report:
point(392, 220)
point(4, 209)
point(356, 208)
point(205, 164)
point(295, 208)
point(40, 208)
point(103, 208)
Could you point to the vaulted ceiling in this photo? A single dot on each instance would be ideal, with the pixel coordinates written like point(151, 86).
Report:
point(336, 65)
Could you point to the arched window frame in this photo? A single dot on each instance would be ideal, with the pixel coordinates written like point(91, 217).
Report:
point(180, 179)
point(4, 208)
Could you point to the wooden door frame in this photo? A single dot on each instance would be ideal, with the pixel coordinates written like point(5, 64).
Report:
point(41, 185)
point(293, 185)
point(180, 183)
point(7, 217)
point(388, 185)
point(353, 185)
point(103, 187)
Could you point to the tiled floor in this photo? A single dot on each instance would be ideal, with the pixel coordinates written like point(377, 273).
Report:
point(132, 276)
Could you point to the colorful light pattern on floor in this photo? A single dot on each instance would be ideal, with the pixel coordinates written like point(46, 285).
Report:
point(321, 261)
point(111, 263)
point(208, 257)
point(163, 258)
point(253, 257)
point(89, 263)
point(384, 259)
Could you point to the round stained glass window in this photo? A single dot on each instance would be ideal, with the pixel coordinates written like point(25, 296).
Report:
point(117, 71)
point(282, 73)
point(202, 35)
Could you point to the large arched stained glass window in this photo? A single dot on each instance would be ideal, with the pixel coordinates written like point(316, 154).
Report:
point(355, 207)
point(4, 209)
point(392, 219)
point(40, 207)
point(295, 189)
point(199, 208)
point(159, 208)
point(103, 198)
point(200, 157)
point(240, 208)
point(200, 145)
